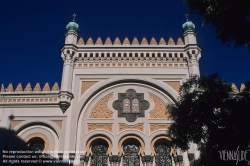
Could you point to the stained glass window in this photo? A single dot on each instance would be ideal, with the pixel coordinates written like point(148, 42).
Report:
point(131, 157)
point(99, 156)
point(162, 157)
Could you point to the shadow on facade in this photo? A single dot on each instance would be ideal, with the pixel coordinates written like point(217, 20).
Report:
point(15, 151)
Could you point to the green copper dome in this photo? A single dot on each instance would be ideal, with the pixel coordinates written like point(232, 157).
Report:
point(188, 26)
point(72, 27)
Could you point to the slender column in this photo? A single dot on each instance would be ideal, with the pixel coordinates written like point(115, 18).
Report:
point(193, 62)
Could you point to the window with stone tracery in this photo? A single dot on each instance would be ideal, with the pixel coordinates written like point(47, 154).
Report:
point(162, 156)
point(99, 155)
point(131, 157)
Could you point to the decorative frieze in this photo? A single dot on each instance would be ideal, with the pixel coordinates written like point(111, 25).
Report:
point(155, 127)
point(160, 108)
point(101, 109)
point(100, 126)
point(28, 100)
point(124, 126)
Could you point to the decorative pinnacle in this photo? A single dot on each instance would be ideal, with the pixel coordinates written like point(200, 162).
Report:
point(186, 16)
point(74, 16)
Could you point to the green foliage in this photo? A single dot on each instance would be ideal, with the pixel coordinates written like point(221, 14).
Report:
point(229, 18)
point(210, 114)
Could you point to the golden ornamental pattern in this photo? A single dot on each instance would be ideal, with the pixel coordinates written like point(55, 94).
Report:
point(174, 84)
point(124, 126)
point(101, 109)
point(100, 126)
point(154, 127)
point(15, 123)
point(160, 108)
point(86, 85)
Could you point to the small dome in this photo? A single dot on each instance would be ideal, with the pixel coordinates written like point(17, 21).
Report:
point(72, 27)
point(188, 26)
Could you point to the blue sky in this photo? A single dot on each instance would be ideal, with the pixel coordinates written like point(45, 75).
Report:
point(32, 33)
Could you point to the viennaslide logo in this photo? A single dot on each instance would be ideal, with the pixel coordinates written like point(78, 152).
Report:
point(233, 155)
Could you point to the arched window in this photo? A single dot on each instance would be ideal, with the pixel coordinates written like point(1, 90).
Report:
point(36, 144)
point(131, 157)
point(99, 155)
point(162, 154)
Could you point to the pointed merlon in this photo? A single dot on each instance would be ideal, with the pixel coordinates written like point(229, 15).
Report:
point(242, 87)
point(46, 87)
point(37, 88)
point(10, 88)
point(98, 41)
point(153, 42)
point(162, 42)
point(126, 41)
point(28, 88)
point(234, 88)
point(80, 41)
point(90, 41)
point(171, 41)
point(2, 88)
point(135, 41)
point(55, 87)
point(144, 41)
point(19, 88)
point(108, 41)
point(180, 42)
point(117, 41)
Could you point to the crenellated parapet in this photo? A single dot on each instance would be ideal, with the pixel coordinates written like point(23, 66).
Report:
point(28, 88)
point(126, 42)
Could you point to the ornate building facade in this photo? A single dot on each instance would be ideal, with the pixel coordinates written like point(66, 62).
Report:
point(111, 107)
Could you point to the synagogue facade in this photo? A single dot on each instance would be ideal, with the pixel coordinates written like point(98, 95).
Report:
point(111, 107)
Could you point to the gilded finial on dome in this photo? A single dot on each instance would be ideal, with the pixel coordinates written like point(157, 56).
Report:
point(144, 41)
point(108, 41)
point(46, 87)
point(73, 26)
point(117, 41)
point(2, 88)
point(90, 41)
point(186, 16)
point(28, 88)
point(162, 42)
point(135, 41)
point(10, 88)
point(37, 88)
point(153, 42)
point(171, 41)
point(234, 88)
point(80, 41)
point(98, 41)
point(126, 41)
point(19, 88)
point(55, 87)
point(180, 42)
point(74, 16)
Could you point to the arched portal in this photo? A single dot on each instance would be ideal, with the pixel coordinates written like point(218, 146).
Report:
point(162, 153)
point(131, 151)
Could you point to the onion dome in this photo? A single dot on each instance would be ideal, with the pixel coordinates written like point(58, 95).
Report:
point(188, 26)
point(72, 27)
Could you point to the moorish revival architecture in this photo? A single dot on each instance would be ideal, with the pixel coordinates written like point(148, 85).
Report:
point(111, 105)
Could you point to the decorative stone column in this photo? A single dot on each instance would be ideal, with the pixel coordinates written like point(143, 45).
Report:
point(193, 62)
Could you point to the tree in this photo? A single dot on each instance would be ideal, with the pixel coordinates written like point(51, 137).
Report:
point(229, 18)
point(212, 115)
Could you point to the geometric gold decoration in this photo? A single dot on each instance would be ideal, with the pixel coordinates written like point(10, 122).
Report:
point(80, 41)
point(174, 84)
point(144, 41)
point(55, 87)
point(162, 42)
point(19, 88)
point(46, 87)
point(180, 42)
point(86, 85)
point(90, 41)
point(135, 41)
point(10, 88)
point(40, 135)
point(117, 41)
point(28, 88)
point(15, 123)
point(58, 123)
point(171, 41)
point(108, 41)
point(102, 126)
point(155, 127)
point(124, 126)
point(98, 41)
point(101, 109)
point(126, 41)
point(153, 42)
point(160, 108)
point(2, 88)
point(37, 87)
